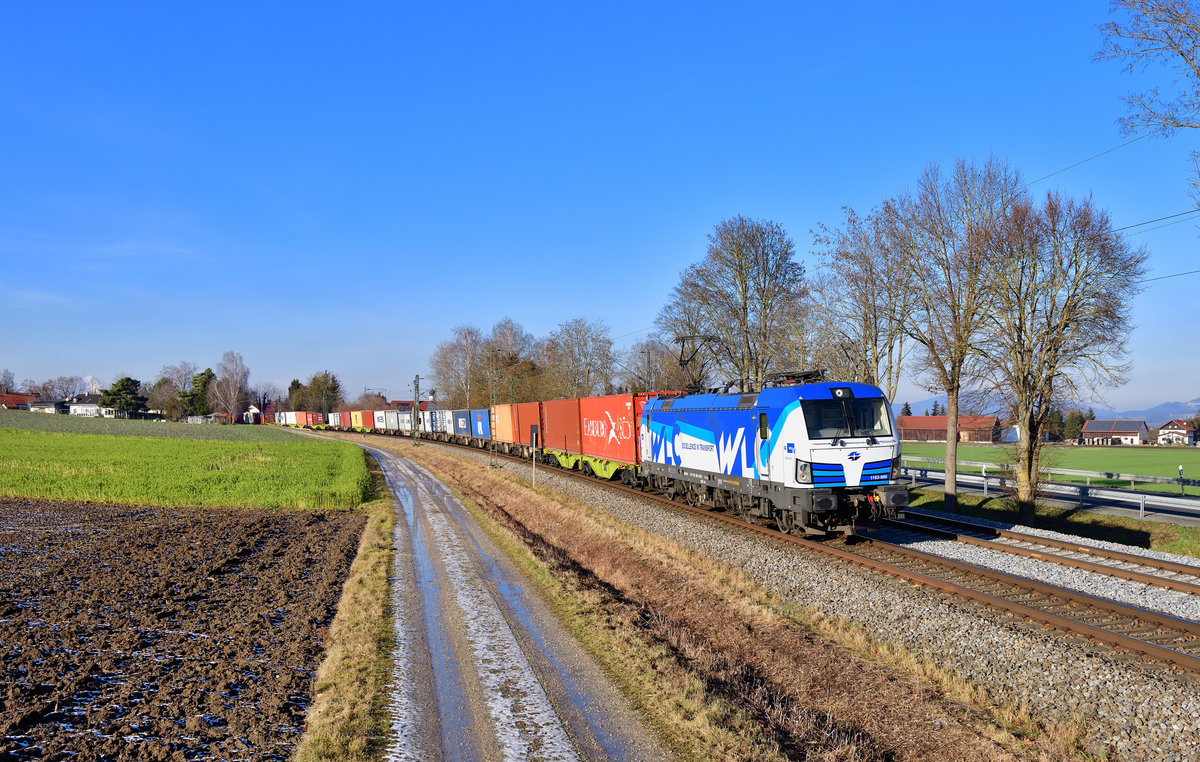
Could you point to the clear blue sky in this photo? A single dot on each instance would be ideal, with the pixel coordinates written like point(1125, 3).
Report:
point(337, 190)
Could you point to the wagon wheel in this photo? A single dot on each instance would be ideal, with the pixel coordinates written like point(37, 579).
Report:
point(741, 508)
point(692, 497)
point(786, 521)
point(670, 491)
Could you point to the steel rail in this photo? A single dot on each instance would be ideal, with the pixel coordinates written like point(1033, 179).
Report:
point(1112, 555)
point(1016, 550)
point(1120, 641)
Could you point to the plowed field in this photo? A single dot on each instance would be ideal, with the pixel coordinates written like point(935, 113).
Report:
point(151, 633)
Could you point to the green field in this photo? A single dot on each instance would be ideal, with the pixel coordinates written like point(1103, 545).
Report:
point(1145, 461)
point(74, 424)
point(178, 471)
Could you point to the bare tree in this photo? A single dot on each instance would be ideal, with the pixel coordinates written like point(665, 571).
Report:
point(653, 365)
point(456, 366)
point(1063, 287)
point(180, 375)
point(577, 360)
point(1150, 33)
point(163, 396)
point(866, 296)
point(229, 391)
point(264, 394)
point(66, 386)
point(741, 295)
point(945, 235)
point(8, 383)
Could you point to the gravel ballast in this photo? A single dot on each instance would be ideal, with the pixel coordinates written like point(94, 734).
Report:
point(1137, 712)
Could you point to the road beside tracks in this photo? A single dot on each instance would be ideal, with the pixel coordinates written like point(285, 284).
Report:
point(482, 669)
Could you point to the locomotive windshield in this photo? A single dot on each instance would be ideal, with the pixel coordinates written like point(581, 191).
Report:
point(829, 419)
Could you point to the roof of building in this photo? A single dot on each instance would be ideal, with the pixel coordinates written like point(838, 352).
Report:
point(84, 399)
point(965, 422)
point(1113, 427)
point(1178, 425)
point(16, 399)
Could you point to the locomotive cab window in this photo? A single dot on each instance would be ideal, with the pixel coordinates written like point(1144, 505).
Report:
point(830, 419)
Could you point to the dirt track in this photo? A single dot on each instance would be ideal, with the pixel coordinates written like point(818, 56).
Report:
point(149, 633)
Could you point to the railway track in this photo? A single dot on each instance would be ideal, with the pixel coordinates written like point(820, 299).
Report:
point(1127, 566)
point(1149, 634)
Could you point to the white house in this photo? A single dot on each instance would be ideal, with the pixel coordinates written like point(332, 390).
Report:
point(1176, 433)
point(88, 405)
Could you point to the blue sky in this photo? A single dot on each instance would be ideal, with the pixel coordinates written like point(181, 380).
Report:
point(337, 190)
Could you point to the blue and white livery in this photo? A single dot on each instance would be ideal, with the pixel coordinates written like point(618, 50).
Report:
point(813, 457)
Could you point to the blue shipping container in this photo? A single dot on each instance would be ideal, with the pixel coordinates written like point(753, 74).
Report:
point(481, 423)
point(462, 422)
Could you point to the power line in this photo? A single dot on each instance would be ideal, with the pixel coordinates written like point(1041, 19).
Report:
point(1085, 161)
point(1164, 277)
point(1160, 219)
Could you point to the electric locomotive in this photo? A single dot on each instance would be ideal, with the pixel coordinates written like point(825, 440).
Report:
point(814, 457)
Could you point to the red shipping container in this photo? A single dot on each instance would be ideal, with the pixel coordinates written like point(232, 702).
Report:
point(560, 426)
point(528, 414)
point(609, 426)
point(504, 423)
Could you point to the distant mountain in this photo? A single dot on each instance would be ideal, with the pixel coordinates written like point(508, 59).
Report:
point(1155, 416)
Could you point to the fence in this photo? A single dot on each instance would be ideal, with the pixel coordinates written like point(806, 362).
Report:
point(1076, 492)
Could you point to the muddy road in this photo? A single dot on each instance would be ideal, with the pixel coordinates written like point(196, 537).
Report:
point(151, 633)
point(483, 671)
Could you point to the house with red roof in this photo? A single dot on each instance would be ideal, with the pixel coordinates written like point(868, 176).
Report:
point(17, 400)
point(1111, 432)
point(1176, 433)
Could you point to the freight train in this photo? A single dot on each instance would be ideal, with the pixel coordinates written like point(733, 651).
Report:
point(814, 458)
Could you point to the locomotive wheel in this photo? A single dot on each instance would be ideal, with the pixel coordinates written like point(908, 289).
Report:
point(786, 521)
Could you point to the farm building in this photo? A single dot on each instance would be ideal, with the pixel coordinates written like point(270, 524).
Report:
point(1099, 432)
point(932, 428)
point(17, 400)
point(1176, 433)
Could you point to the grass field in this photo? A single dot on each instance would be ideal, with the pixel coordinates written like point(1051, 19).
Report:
point(75, 424)
point(1145, 461)
point(177, 471)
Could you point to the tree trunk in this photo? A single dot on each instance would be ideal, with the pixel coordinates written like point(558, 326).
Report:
point(1027, 472)
point(951, 497)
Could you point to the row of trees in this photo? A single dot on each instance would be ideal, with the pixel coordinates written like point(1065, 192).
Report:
point(577, 359)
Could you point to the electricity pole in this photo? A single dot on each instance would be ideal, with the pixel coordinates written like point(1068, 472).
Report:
point(416, 411)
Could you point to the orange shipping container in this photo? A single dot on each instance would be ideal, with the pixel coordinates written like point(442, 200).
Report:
point(529, 419)
point(609, 426)
point(504, 423)
point(560, 426)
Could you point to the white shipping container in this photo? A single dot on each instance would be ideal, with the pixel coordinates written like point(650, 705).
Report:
point(392, 417)
point(380, 422)
point(289, 418)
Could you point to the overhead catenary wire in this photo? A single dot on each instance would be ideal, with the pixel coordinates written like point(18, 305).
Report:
point(1085, 161)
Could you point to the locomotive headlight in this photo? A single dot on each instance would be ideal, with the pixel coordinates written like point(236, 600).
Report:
point(803, 472)
point(895, 475)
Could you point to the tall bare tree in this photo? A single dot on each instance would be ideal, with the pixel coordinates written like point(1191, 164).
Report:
point(866, 296)
point(1154, 33)
point(1063, 285)
point(230, 390)
point(741, 295)
point(8, 382)
point(180, 375)
point(456, 366)
point(945, 234)
point(577, 360)
point(653, 365)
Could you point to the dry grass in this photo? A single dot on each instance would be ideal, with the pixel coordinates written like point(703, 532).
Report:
point(722, 669)
point(348, 716)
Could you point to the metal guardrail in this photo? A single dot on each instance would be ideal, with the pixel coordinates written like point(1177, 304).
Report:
point(1131, 478)
point(1075, 492)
